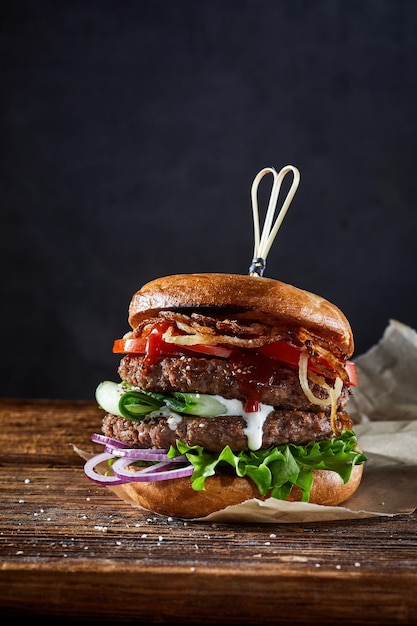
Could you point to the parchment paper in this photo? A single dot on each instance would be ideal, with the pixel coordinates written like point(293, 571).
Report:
point(384, 410)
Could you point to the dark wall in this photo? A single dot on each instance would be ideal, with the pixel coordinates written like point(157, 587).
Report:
point(132, 131)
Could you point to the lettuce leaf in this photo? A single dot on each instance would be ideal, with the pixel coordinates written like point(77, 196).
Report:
point(279, 468)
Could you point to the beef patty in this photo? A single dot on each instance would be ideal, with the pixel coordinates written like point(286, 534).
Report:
point(214, 433)
point(280, 388)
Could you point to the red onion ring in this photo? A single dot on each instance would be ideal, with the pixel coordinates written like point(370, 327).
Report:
point(104, 440)
point(114, 447)
point(164, 468)
point(140, 454)
point(91, 464)
point(159, 471)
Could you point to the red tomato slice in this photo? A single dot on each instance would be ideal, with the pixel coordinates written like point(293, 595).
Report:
point(352, 373)
point(290, 354)
point(139, 346)
point(129, 345)
point(282, 351)
point(221, 351)
point(279, 350)
point(144, 346)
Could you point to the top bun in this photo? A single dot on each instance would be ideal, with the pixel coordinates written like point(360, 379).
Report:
point(250, 297)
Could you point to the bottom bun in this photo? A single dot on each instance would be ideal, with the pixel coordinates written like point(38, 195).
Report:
point(177, 498)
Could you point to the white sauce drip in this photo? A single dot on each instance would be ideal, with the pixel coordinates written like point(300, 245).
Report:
point(173, 419)
point(254, 420)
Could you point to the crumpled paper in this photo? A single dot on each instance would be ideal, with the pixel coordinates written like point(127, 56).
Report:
point(387, 375)
point(384, 410)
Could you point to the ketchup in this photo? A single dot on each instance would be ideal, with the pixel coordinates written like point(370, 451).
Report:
point(253, 373)
point(155, 345)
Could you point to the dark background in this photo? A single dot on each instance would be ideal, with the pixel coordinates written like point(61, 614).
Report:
point(130, 136)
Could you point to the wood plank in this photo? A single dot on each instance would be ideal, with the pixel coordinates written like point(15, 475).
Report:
point(70, 548)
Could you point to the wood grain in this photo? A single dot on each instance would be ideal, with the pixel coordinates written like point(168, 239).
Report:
point(71, 549)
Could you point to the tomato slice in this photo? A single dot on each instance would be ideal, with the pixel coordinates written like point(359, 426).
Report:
point(279, 350)
point(220, 351)
point(140, 346)
point(282, 351)
point(290, 354)
point(129, 345)
point(352, 373)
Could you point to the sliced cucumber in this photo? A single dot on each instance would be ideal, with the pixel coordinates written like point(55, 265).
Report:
point(195, 404)
point(118, 399)
point(108, 396)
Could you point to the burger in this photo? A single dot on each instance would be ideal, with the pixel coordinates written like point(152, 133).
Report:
point(232, 387)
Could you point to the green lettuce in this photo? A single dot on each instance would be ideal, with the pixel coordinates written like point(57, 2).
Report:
point(277, 469)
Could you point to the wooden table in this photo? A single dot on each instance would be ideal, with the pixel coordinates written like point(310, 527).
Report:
point(71, 549)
